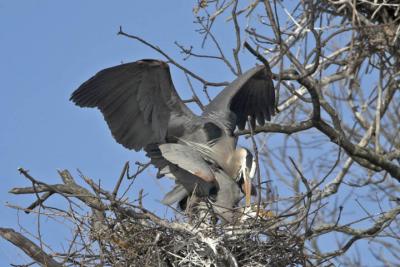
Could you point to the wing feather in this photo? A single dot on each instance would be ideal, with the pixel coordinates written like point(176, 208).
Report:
point(250, 95)
point(188, 159)
point(138, 101)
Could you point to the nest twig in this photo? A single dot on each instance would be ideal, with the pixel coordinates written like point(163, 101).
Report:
point(377, 22)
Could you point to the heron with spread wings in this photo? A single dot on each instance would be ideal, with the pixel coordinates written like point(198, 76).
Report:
point(143, 111)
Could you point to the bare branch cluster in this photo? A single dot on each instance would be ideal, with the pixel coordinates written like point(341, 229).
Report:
point(121, 233)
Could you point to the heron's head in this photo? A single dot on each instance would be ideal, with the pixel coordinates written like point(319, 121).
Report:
point(247, 171)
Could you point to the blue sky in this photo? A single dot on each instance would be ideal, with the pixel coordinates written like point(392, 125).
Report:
point(48, 48)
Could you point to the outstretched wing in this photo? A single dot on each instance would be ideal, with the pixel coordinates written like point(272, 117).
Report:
point(138, 101)
point(251, 94)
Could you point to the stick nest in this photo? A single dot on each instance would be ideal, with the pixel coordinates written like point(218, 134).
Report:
point(112, 231)
point(377, 22)
point(141, 242)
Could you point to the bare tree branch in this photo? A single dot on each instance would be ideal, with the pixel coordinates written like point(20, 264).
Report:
point(30, 248)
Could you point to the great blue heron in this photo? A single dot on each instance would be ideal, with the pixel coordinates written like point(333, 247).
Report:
point(143, 111)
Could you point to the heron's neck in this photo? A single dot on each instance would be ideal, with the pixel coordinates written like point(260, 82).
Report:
point(234, 163)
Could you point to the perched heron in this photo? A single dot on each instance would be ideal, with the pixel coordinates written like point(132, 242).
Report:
point(143, 111)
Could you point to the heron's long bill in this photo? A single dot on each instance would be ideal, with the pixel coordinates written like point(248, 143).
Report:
point(247, 188)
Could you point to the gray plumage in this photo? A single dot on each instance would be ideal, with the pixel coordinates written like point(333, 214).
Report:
point(141, 96)
point(143, 111)
point(224, 202)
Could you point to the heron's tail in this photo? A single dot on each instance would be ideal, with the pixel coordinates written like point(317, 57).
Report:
point(176, 194)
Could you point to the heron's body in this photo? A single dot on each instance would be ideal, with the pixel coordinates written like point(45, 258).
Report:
point(143, 111)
